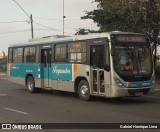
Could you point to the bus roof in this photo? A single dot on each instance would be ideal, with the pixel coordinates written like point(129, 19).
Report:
point(53, 40)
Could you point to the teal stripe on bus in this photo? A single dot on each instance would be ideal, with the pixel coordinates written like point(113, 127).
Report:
point(56, 71)
point(20, 70)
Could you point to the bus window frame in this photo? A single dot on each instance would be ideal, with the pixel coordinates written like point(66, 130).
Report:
point(21, 54)
point(37, 54)
point(75, 62)
point(54, 56)
point(105, 42)
point(29, 53)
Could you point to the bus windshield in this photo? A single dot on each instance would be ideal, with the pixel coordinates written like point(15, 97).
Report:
point(132, 59)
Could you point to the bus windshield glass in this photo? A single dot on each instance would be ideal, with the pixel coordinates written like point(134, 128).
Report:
point(132, 58)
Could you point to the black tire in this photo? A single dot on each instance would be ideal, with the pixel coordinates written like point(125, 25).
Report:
point(31, 85)
point(83, 90)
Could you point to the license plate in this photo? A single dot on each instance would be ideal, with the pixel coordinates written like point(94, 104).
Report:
point(139, 94)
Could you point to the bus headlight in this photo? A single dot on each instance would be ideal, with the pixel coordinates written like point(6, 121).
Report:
point(119, 83)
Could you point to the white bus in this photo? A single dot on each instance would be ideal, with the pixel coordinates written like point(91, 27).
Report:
point(111, 64)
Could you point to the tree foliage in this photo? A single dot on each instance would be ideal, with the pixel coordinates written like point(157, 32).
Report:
point(83, 31)
point(126, 15)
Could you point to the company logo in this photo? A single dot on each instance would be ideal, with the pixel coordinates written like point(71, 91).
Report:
point(6, 126)
point(21, 126)
point(61, 71)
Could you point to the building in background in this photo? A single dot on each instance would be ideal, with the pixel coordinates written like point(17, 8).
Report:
point(2, 55)
point(3, 61)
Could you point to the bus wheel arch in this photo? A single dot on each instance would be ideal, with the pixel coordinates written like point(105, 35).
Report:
point(82, 88)
point(30, 83)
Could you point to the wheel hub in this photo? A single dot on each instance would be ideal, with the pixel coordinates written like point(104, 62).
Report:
point(30, 85)
point(84, 90)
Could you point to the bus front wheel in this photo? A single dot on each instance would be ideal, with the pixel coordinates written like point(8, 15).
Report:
point(83, 90)
point(31, 84)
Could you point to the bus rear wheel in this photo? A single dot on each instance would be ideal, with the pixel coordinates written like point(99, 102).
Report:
point(31, 84)
point(83, 90)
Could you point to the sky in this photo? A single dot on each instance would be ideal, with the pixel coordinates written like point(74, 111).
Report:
point(15, 25)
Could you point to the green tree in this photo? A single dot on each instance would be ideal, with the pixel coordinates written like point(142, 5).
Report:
point(3, 64)
point(126, 15)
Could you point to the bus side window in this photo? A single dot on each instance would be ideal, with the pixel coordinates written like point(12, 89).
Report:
point(20, 55)
point(26, 54)
point(77, 52)
point(60, 53)
point(30, 55)
point(15, 55)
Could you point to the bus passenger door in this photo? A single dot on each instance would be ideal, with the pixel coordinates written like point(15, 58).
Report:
point(46, 67)
point(100, 78)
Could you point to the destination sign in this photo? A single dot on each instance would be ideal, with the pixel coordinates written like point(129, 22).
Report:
point(124, 38)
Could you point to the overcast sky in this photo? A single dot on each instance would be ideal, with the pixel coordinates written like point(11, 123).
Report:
point(15, 29)
point(14, 26)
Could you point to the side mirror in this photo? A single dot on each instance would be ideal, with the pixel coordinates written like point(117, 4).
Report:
point(107, 67)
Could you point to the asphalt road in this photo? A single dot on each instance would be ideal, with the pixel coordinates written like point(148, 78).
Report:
point(19, 106)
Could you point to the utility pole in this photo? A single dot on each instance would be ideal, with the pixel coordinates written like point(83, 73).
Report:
point(63, 17)
point(155, 42)
point(32, 34)
point(30, 17)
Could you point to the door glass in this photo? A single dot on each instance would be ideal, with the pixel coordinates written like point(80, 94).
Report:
point(97, 61)
point(95, 81)
point(45, 58)
point(101, 76)
point(49, 58)
point(97, 58)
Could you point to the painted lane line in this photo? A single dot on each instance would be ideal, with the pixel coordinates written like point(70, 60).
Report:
point(16, 111)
